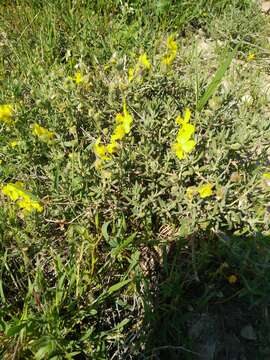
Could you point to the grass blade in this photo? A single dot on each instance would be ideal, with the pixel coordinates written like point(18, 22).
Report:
point(214, 84)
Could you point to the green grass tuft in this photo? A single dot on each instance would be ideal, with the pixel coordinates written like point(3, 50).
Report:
point(126, 257)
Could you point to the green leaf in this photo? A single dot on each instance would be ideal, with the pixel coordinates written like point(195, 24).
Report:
point(118, 286)
point(214, 84)
point(122, 324)
point(104, 230)
point(45, 350)
point(14, 329)
point(116, 251)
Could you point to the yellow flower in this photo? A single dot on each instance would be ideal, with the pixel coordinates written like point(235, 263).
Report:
point(205, 190)
point(180, 121)
point(42, 133)
point(14, 191)
point(170, 55)
point(181, 149)
point(168, 59)
point(14, 143)
point(185, 133)
point(144, 62)
point(28, 204)
point(184, 144)
point(119, 133)
point(24, 200)
point(251, 56)
point(171, 44)
point(100, 150)
point(232, 279)
point(177, 148)
point(131, 74)
point(122, 128)
point(112, 147)
point(124, 119)
point(6, 112)
point(78, 77)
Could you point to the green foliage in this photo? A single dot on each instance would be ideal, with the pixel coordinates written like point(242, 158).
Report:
point(119, 250)
point(214, 84)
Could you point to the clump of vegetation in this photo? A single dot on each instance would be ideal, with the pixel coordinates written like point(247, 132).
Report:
point(134, 172)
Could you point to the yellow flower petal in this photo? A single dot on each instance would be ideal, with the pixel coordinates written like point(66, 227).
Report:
point(144, 61)
point(188, 146)
point(232, 279)
point(205, 190)
point(131, 74)
point(6, 112)
point(169, 59)
point(119, 118)
point(178, 149)
point(124, 119)
point(14, 143)
point(112, 147)
point(42, 133)
point(251, 56)
point(11, 191)
point(181, 121)
point(185, 133)
point(170, 55)
point(100, 150)
point(78, 77)
point(171, 44)
point(119, 133)
point(23, 199)
point(183, 140)
point(29, 205)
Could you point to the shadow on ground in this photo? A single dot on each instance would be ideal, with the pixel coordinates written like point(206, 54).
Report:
point(208, 298)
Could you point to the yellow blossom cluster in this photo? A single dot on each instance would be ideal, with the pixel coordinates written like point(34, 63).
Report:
point(184, 144)
point(143, 64)
point(16, 191)
point(171, 52)
point(123, 127)
point(42, 133)
point(6, 113)
point(77, 78)
point(6, 116)
point(25, 200)
point(204, 191)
